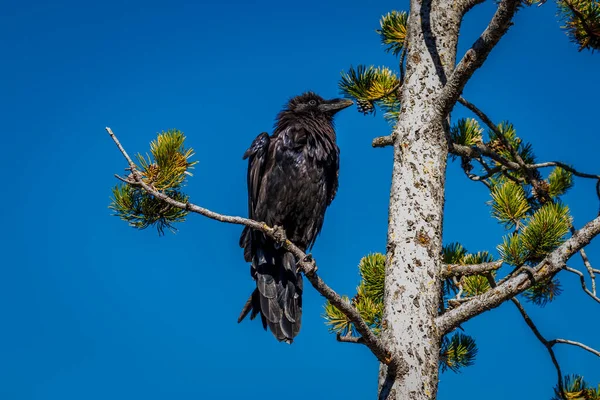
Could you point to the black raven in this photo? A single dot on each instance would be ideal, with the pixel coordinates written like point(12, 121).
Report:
point(292, 178)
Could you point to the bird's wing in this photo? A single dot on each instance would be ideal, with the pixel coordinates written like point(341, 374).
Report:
point(257, 157)
point(332, 178)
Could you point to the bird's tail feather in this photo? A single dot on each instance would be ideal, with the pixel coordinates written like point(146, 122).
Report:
point(278, 293)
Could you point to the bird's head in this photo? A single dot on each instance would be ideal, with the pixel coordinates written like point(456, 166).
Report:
point(312, 103)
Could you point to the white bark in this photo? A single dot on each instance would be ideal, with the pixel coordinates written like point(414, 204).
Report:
point(413, 270)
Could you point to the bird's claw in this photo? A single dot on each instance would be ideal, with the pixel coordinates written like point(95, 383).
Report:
point(279, 235)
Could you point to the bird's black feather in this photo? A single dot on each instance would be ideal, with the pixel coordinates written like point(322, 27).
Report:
point(292, 178)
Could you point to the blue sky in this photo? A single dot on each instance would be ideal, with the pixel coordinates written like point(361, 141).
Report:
point(94, 309)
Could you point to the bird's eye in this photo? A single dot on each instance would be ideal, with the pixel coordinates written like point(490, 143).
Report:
point(312, 103)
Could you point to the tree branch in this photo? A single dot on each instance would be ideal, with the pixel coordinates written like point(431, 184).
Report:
point(516, 156)
point(349, 339)
point(582, 279)
point(449, 270)
point(309, 268)
point(383, 141)
point(478, 150)
point(546, 343)
point(573, 343)
point(476, 55)
point(494, 128)
point(583, 21)
point(464, 6)
point(551, 264)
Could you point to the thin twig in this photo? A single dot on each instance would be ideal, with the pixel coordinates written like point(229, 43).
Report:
point(527, 168)
point(573, 343)
point(536, 332)
point(582, 279)
point(484, 150)
point(565, 167)
point(309, 268)
point(588, 265)
point(545, 342)
point(500, 135)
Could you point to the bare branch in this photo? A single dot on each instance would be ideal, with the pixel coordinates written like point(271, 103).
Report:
point(573, 343)
point(449, 270)
point(478, 150)
point(481, 150)
point(582, 279)
point(114, 138)
point(552, 264)
point(464, 6)
point(349, 339)
point(565, 167)
point(482, 116)
point(309, 268)
point(536, 332)
point(383, 141)
point(476, 55)
point(546, 343)
point(588, 266)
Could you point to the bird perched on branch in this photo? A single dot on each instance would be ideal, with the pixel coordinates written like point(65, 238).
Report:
point(292, 178)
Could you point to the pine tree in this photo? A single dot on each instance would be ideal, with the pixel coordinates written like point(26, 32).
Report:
point(411, 301)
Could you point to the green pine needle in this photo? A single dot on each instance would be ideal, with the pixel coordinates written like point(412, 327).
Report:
point(372, 272)
point(576, 388)
point(560, 180)
point(368, 299)
point(170, 162)
point(140, 210)
point(337, 321)
point(453, 253)
point(474, 285)
point(545, 230)
point(524, 150)
point(467, 132)
point(393, 31)
point(166, 170)
point(370, 310)
point(581, 22)
point(457, 352)
point(512, 250)
point(371, 87)
point(542, 293)
point(509, 203)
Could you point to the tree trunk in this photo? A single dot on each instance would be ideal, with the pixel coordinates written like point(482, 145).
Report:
point(414, 243)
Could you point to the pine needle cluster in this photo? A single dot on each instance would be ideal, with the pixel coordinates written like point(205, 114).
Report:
point(457, 351)
point(581, 22)
point(576, 388)
point(379, 87)
point(165, 169)
point(471, 285)
point(368, 299)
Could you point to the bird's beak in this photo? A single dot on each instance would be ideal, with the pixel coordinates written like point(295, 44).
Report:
point(335, 105)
